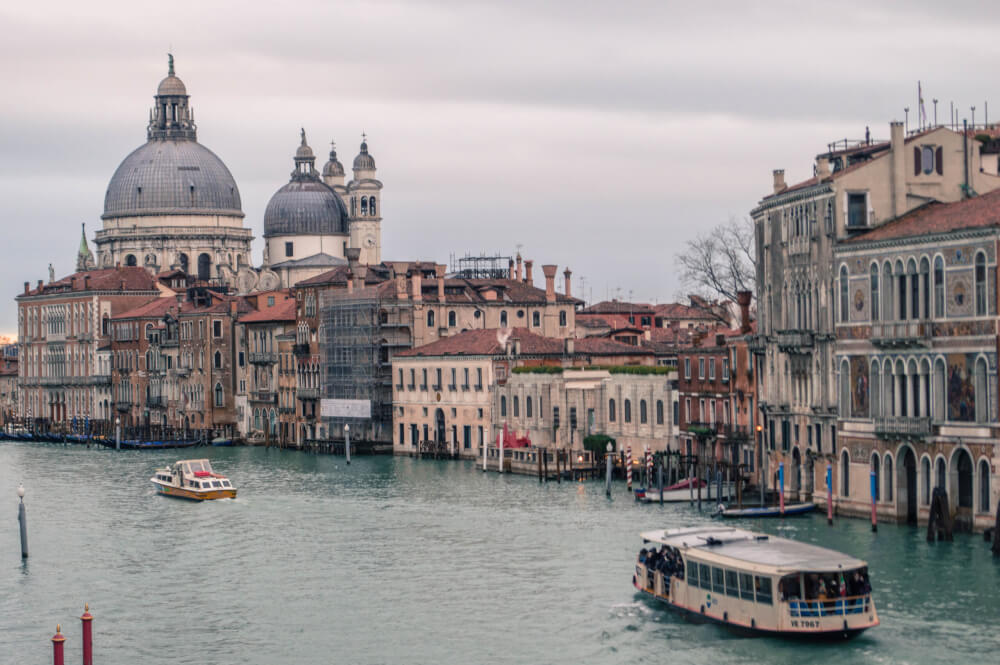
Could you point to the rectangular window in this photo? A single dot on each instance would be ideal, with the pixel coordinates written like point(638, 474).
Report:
point(732, 584)
point(705, 576)
point(481, 435)
point(725, 369)
point(467, 436)
point(687, 368)
point(701, 368)
point(857, 210)
point(692, 573)
point(763, 587)
point(288, 249)
point(701, 412)
point(746, 586)
point(718, 580)
point(216, 329)
point(711, 369)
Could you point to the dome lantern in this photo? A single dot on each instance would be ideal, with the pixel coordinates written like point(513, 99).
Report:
point(171, 117)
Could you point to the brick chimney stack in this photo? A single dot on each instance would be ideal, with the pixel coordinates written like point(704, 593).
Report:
point(40, 282)
point(439, 272)
point(510, 270)
point(743, 300)
point(350, 281)
point(779, 181)
point(416, 284)
point(550, 282)
point(527, 272)
point(86, 282)
point(519, 266)
point(568, 274)
point(27, 286)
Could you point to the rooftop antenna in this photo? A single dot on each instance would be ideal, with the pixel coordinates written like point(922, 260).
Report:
point(973, 117)
point(935, 111)
point(906, 114)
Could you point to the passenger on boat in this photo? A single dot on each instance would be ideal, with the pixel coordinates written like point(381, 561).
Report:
point(642, 555)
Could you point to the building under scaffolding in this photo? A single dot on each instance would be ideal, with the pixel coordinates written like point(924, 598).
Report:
point(480, 267)
point(356, 336)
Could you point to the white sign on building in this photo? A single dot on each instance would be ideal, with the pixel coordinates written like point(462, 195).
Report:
point(345, 408)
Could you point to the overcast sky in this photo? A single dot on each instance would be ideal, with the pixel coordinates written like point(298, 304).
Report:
point(599, 135)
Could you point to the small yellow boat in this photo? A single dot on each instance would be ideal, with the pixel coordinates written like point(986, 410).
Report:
point(193, 479)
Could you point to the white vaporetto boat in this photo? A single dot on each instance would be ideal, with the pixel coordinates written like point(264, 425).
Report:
point(757, 584)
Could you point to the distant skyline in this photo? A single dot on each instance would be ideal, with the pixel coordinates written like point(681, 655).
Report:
point(594, 135)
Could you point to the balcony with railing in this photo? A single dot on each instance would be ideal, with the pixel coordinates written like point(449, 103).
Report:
point(268, 396)
point(307, 393)
point(799, 245)
point(700, 428)
point(300, 349)
point(156, 402)
point(903, 426)
point(734, 433)
point(436, 387)
point(123, 406)
point(794, 341)
point(263, 357)
point(901, 334)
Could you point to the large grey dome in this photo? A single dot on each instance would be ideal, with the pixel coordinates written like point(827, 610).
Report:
point(172, 177)
point(305, 206)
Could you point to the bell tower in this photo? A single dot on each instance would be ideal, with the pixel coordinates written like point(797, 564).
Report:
point(364, 200)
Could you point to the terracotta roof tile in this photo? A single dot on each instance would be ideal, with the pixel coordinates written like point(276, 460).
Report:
point(133, 278)
point(978, 212)
point(282, 310)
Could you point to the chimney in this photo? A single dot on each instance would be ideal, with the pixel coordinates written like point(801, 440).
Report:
point(743, 300)
point(359, 276)
point(527, 272)
point(416, 286)
point(121, 285)
point(234, 308)
point(350, 281)
point(779, 181)
point(569, 346)
point(519, 266)
point(439, 272)
point(40, 282)
point(822, 167)
point(550, 282)
point(353, 256)
point(510, 270)
point(86, 282)
point(567, 274)
point(898, 165)
point(26, 287)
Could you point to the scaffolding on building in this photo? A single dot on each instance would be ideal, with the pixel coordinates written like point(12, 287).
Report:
point(354, 361)
point(480, 267)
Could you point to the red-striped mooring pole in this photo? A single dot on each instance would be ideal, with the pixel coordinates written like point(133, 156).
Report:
point(88, 637)
point(628, 467)
point(57, 646)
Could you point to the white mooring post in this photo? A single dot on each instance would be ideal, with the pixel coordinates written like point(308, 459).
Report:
point(500, 446)
point(23, 519)
point(347, 443)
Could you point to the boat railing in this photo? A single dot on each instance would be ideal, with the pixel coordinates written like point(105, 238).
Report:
point(830, 607)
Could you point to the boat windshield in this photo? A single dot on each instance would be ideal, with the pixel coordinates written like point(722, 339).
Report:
point(200, 465)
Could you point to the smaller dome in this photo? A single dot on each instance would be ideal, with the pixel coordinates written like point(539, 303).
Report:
point(333, 168)
point(364, 161)
point(171, 86)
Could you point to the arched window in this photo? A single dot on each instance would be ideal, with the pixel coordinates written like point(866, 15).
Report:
point(183, 260)
point(430, 318)
point(900, 291)
point(218, 395)
point(517, 407)
point(845, 474)
point(980, 284)
point(371, 205)
point(628, 411)
point(925, 288)
point(503, 319)
point(888, 478)
point(204, 267)
point(874, 294)
point(845, 389)
point(453, 318)
point(925, 471)
point(659, 412)
point(844, 300)
point(877, 473)
point(643, 418)
point(527, 407)
point(562, 319)
point(876, 390)
point(887, 311)
point(982, 411)
point(256, 419)
point(984, 486)
point(503, 406)
point(354, 206)
point(911, 271)
point(611, 410)
point(130, 260)
point(536, 319)
point(218, 360)
point(938, 287)
point(364, 206)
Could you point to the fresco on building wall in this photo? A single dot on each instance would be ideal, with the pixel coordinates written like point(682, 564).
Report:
point(859, 387)
point(961, 387)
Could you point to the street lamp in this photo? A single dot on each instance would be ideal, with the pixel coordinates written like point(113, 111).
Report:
point(20, 492)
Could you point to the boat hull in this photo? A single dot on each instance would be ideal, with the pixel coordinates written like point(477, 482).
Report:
point(770, 511)
point(195, 495)
point(684, 495)
point(696, 616)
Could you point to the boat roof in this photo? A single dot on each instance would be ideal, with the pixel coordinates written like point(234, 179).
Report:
point(750, 550)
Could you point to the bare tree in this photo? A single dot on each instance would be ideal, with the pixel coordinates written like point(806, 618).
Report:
point(720, 263)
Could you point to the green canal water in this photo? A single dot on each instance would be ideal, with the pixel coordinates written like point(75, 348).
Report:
point(393, 560)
